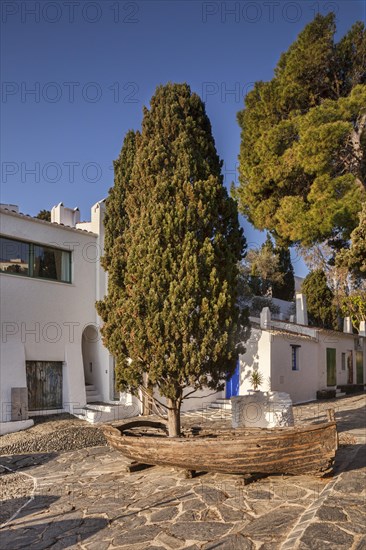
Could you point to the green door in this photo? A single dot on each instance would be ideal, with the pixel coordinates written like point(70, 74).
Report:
point(359, 367)
point(331, 367)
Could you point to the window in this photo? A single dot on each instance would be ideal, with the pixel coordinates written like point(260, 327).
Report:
point(14, 257)
point(295, 357)
point(34, 260)
point(343, 364)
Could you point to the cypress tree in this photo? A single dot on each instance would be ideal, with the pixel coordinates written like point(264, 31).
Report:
point(114, 259)
point(319, 298)
point(284, 290)
point(177, 311)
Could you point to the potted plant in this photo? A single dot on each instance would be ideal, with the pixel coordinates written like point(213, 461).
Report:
point(256, 379)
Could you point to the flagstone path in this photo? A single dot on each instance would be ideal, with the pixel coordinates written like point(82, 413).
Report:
point(83, 499)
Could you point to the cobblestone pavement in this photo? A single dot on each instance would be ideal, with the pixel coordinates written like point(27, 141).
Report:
point(83, 499)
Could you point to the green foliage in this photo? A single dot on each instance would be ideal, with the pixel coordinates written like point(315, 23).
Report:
point(354, 306)
point(44, 215)
point(173, 247)
point(114, 259)
point(354, 258)
point(259, 302)
point(285, 289)
point(302, 157)
point(319, 298)
point(269, 271)
point(256, 379)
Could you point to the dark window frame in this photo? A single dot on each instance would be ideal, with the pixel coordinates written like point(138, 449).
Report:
point(31, 259)
point(295, 359)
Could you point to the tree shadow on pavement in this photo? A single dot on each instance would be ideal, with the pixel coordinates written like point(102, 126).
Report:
point(56, 534)
point(351, 419)
point(23, 461)
point(12, 506)
point(350, 458)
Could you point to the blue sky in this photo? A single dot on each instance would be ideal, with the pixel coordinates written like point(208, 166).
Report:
point(77, 74)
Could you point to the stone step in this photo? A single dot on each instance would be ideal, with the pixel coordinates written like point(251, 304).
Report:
point(92, 394)
point(106, 412)
point(220, 405)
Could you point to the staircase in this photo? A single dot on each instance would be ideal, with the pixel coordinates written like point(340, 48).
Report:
point(92, 394)
point(106, 412)
point(220, 404)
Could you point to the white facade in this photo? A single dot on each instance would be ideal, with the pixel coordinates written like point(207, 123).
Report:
point(46, 321)
point(271, 349)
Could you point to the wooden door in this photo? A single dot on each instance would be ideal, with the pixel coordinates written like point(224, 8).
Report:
point(350, 367)
point(331, 367)
point(359, 367)
point(44, 382)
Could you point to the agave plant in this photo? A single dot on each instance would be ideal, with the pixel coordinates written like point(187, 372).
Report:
point(256, 379)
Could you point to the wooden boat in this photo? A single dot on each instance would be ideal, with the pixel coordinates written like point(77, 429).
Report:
point(308, 449)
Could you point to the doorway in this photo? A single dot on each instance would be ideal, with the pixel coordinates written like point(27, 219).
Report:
point(89, 344)
point(44, 383)
point(331, 367)
point(232, 385)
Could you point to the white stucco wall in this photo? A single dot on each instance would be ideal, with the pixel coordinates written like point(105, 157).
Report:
point(342, 343)
point(256, 357)
point(301, 384)
point(44, 320)
point(197, 401)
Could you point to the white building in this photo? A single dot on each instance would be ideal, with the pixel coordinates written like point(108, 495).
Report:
point(52, 355)
point(301, 360)
point(50, 277)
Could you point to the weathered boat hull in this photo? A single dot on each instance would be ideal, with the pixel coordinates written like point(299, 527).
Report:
point(297, 450)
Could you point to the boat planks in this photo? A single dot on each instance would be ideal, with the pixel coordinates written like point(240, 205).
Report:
point(295, 450)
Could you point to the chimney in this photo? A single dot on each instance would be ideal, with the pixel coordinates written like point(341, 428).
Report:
point(65, 216)
point(301, 309)
point(347, 325)
point(265, 319)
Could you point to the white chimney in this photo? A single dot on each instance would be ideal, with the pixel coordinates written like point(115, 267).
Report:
point(65, 216)
point(301, 309)
point(347, 325)
point(362, 331)
point(265, 319)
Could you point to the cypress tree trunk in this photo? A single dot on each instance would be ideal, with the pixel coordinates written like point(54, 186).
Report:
point(146, 402)
point(173, 418)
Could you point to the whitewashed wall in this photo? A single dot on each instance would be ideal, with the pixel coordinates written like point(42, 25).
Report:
point(301, 384)
point(256, 357)
point(44, 320)
point(342, 343)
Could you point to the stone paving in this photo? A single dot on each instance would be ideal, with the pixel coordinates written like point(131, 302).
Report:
point(83, 499)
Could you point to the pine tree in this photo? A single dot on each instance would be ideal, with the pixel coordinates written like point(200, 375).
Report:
point(319, 298)
point(302, 157)
point(354, 258)
point(177, 312)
